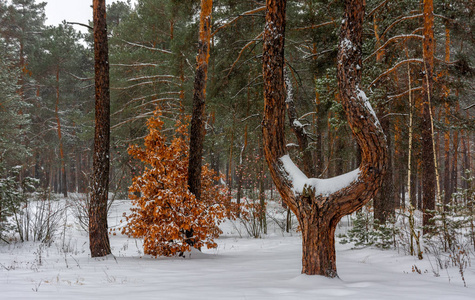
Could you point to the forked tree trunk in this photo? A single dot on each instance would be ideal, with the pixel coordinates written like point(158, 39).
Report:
point(319, 214)
point(98, 235)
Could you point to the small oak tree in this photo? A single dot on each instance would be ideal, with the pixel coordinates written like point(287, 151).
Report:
point(164, 208)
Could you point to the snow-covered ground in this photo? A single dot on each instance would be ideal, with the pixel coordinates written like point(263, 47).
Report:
point(240, 268)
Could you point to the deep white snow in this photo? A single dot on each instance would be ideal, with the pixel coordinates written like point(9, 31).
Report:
point(240, 268)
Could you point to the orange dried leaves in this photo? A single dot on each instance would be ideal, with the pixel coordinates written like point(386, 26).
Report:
point(163, 208)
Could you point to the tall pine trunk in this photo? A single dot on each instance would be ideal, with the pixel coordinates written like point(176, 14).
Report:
point(428, 164)
point(98, 235)
point(197, 131)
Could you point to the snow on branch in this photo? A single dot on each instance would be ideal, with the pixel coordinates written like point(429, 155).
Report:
point(257, 38)
point(394, 38)
point(399, 21)
point(136, 65)
point(132, 86)
point(134, 118)
point(131, 102)
point(153, 77)
point(247, 13)
point(391, 97)
point(416, 60)
point(145, 83)
point(376, 8)
point(315, 26)
point(80, 78)
point(153, 101)
point(322, 187)
point(147, 47)
point(470, 106)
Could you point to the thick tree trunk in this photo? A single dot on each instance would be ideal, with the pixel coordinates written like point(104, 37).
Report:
point(318, 247)
point(98, 235)
point(197, 131)
point(318, 214)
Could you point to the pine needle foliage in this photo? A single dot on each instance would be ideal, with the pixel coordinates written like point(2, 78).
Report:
point(163, 207)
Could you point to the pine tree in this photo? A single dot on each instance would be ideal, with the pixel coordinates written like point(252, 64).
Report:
point(164, 209)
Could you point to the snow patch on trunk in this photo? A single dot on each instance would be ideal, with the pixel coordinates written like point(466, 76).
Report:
point(362, 96)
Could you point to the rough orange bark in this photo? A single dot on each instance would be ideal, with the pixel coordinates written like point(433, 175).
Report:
point(197, 131)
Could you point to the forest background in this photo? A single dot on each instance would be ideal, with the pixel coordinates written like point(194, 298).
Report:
point(47, 92)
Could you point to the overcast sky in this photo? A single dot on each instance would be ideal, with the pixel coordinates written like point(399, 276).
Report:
point(70, 10)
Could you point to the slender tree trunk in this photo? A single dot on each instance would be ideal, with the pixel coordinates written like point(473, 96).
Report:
point(262, 195)
point(411, 171)
point(454, 179)
point(229, 165)
point(446, 90)
point(428, 163)
point(98, 235)
point(384, 203)
point(447, 191)
point(197, 131)
point(64, 187)
point(241, 172)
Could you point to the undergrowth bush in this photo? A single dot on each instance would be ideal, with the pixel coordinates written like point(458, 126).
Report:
point(164, 211)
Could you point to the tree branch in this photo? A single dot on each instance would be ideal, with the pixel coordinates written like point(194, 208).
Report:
point(242, 51)
point(247, 13)
point(418, 60)
point(394, 38)
point(314, 26)
point(404, 93)
point(80, 24)
point(399, 21)
point(376, 8)
point(146, 47)
point(470, 106)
